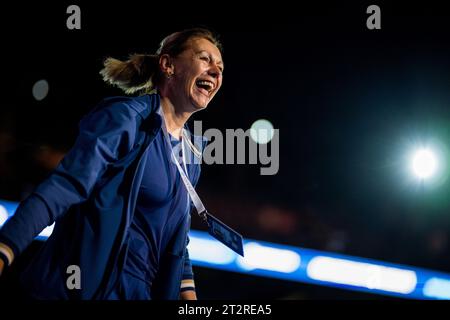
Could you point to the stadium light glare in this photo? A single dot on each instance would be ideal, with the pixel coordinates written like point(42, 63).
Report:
point(209, 250)
point(437, 288)
point(362, 274)
point(269, 258)
point(424, 163)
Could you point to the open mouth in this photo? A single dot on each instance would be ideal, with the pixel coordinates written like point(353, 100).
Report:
point(205, 86)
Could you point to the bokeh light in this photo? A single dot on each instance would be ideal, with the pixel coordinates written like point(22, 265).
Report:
point(40, 89)
point(262, 131)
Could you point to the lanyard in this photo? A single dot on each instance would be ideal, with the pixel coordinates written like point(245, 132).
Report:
point(198, 204)
point(216, 228)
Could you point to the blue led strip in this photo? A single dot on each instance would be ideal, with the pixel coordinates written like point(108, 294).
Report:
point(307, 266)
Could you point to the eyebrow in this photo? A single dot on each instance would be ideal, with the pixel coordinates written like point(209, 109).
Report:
point(218, 62)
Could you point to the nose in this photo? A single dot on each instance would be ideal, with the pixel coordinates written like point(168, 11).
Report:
point(214, 71)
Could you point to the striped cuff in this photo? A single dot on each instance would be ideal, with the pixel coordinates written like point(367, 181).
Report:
point(187, 284)
point(6, 253)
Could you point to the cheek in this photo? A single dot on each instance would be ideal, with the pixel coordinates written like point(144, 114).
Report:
point(189, 83)
point(219, 84)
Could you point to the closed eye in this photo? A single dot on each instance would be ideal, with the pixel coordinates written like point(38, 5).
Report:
point(208, 60)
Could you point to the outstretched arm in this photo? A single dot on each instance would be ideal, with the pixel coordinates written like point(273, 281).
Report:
point(105, 135)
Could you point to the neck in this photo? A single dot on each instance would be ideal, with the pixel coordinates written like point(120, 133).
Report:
point(174, 117)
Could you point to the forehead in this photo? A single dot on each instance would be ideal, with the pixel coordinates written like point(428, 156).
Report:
point(202, 44)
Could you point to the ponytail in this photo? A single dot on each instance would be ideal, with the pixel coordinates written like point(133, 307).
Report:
point(135, 74)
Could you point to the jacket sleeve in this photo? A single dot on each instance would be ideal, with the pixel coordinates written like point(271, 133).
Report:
point(104, 136)
point(187, 283)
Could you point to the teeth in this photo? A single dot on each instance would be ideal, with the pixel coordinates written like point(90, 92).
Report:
point(206, 83)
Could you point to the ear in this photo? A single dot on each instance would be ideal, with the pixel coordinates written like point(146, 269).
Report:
point(166, 64)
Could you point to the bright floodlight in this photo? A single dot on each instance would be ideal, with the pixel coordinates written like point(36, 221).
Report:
point(424, 163)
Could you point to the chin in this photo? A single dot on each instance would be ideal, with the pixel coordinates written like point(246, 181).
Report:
point(199, 105)
point(200, 101)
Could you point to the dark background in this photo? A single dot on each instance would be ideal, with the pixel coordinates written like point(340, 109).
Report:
point(349, 103)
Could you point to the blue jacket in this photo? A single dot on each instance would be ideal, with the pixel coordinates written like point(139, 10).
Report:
point(92, 195)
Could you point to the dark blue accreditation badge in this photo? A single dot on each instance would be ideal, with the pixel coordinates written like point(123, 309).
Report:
point(225, 234)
